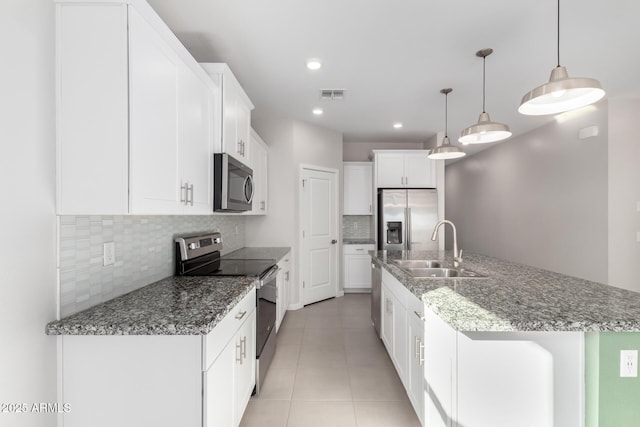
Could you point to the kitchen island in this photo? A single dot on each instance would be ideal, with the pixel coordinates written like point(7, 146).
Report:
point(506, 349)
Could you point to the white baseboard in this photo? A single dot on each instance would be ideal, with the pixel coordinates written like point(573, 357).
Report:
point(297, 306)
point(357, 290)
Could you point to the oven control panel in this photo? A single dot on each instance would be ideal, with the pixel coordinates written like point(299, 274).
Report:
point(198, 245)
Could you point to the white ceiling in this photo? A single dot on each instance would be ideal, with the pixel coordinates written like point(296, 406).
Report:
point(393, 56)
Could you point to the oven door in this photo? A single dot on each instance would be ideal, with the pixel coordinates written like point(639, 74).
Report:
point(233, 186)
point(265, 325)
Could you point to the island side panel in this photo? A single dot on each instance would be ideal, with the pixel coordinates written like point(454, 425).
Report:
point(133, 380)
point(520, 378)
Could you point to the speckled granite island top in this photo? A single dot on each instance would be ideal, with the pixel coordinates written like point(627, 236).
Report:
point(172, 306)
point(516, 297)
point(275, 253)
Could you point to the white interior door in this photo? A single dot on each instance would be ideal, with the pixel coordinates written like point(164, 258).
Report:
point(319, 221)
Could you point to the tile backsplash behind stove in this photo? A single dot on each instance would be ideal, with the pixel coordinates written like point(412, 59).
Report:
point(144, 252)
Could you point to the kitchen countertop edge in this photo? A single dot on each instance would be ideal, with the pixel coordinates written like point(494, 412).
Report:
point(475, 305)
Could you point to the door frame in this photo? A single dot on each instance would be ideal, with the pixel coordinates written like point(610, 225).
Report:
point(334, 219)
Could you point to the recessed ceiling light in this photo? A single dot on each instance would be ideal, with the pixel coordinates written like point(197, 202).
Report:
point(314, 64)
point(397, 125)
point(318, 111)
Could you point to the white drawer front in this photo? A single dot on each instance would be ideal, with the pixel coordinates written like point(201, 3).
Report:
point(215, 341)
point(358, 249)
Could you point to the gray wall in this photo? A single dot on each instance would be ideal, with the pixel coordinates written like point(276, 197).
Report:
point(624, 194)
point(291, 144)
point(27, 215)
point(539, 199)
point(144, 247)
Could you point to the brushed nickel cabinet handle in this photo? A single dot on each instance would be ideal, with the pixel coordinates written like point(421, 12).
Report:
point(241, 315)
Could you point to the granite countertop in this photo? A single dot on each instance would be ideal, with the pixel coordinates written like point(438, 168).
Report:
point(275, 253)
point(517, 297)
point(172, 306)
point(358, 241)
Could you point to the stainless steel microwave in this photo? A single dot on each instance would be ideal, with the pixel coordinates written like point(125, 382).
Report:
point(232, 184)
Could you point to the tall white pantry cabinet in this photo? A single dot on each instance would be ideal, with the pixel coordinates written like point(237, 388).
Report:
point(135, 114)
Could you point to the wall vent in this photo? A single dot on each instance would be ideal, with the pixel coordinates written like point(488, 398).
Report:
point(332, 94)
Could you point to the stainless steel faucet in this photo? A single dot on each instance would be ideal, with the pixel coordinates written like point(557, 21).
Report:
point(457, 255)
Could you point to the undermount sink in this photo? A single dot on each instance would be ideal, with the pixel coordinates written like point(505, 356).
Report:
point(418, 263)
point(435, 273)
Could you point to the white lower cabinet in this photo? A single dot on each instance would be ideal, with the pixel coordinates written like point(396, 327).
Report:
point(232, 377)
point(282, 289)
point(357, 267)
point(161, 380)
point(400, 334)
point(415, 370)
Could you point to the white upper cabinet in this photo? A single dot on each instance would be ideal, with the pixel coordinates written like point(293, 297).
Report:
point(135, 120)
point(235, 114)
point(259, 164)
point(358, 188)
point(404, 169)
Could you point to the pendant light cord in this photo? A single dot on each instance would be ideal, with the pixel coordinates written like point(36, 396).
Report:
point(484, 83)
point(558, 33)
point(446, 114)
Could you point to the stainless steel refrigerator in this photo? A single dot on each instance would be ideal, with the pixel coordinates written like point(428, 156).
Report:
point(406, 219)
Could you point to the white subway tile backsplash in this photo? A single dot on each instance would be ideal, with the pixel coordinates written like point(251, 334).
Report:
point(144, 252)
point(357, 227)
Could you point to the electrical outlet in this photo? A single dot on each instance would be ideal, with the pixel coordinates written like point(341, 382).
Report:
point(355, 225)
point(629, 363)
point(109, 253)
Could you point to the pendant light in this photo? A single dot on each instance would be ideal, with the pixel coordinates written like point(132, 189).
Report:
point(446, 151)
point(485, 130)
point(562, 93)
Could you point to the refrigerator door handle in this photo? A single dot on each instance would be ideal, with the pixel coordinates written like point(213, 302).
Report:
point(408, 227)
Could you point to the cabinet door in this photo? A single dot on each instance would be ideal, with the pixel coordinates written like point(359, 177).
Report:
point(387, 319)
point(279, 297)
point(390, 170)
point(440, 371)
point(357, 271)
point(259, 166)
point(243, 129)
point(219, 389)
point(358, 189)
point(195, 139)
point(229, 119)
point(416, 360)
point(92, 122)
point(245, 365)
point(419, 171)
point(154, 180)
point(401, 344)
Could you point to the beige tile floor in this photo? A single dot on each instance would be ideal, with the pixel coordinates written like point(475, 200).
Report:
point(331, 370)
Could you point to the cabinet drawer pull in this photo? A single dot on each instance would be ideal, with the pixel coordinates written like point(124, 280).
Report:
point(421, 317)
point(239, 352)
point(421, 353)
point(243, 350)
point(190, 199)
point(241, 315)
point(184, 187)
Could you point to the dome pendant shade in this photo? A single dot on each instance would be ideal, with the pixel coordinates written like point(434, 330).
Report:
point(484, 131)
point(446, 151)
point(562, 93)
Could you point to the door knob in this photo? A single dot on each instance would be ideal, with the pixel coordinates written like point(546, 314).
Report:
point(334, 241)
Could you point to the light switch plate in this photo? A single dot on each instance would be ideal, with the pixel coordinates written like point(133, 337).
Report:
point(628, 363)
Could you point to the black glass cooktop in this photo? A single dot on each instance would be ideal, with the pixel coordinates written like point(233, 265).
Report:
point(235, 267)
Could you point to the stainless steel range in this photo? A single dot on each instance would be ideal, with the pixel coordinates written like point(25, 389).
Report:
point(199, 255)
